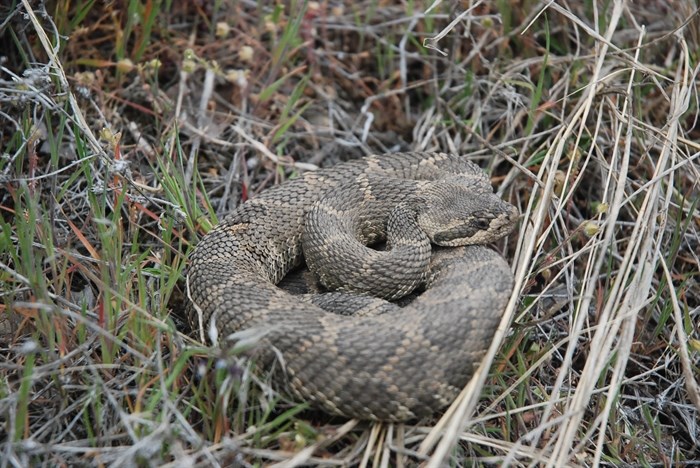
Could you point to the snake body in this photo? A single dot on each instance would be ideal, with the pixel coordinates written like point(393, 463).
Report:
point(350, 356)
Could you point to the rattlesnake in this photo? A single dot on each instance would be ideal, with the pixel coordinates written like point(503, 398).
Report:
point(383, 362)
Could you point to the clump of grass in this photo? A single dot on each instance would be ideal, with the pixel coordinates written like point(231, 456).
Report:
point(125, 135)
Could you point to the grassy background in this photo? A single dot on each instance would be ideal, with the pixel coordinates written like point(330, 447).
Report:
point(128, 128)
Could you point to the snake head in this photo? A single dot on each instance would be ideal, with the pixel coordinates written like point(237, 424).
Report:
point(454, 215)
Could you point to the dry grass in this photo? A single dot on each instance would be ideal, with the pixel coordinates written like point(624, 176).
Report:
point(127, 129)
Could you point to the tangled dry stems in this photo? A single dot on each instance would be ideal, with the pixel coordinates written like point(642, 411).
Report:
point(586, 118)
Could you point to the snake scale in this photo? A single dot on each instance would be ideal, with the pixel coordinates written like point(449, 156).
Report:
point(345, 354)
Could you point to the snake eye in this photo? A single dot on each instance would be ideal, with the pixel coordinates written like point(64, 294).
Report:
point(483, 224)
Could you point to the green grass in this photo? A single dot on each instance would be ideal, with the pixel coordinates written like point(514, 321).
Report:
point(98, 365)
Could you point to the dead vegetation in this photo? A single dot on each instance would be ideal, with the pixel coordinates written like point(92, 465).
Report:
point(128, 128)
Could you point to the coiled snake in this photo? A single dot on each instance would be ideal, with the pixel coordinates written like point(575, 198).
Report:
point(358, 358)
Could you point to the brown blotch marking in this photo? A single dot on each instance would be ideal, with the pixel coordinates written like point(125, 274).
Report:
point(237, 228)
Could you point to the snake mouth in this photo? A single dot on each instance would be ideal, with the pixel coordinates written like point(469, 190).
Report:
point(455, 237)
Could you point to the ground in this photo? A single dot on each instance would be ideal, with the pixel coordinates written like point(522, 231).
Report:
point(128, 128)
